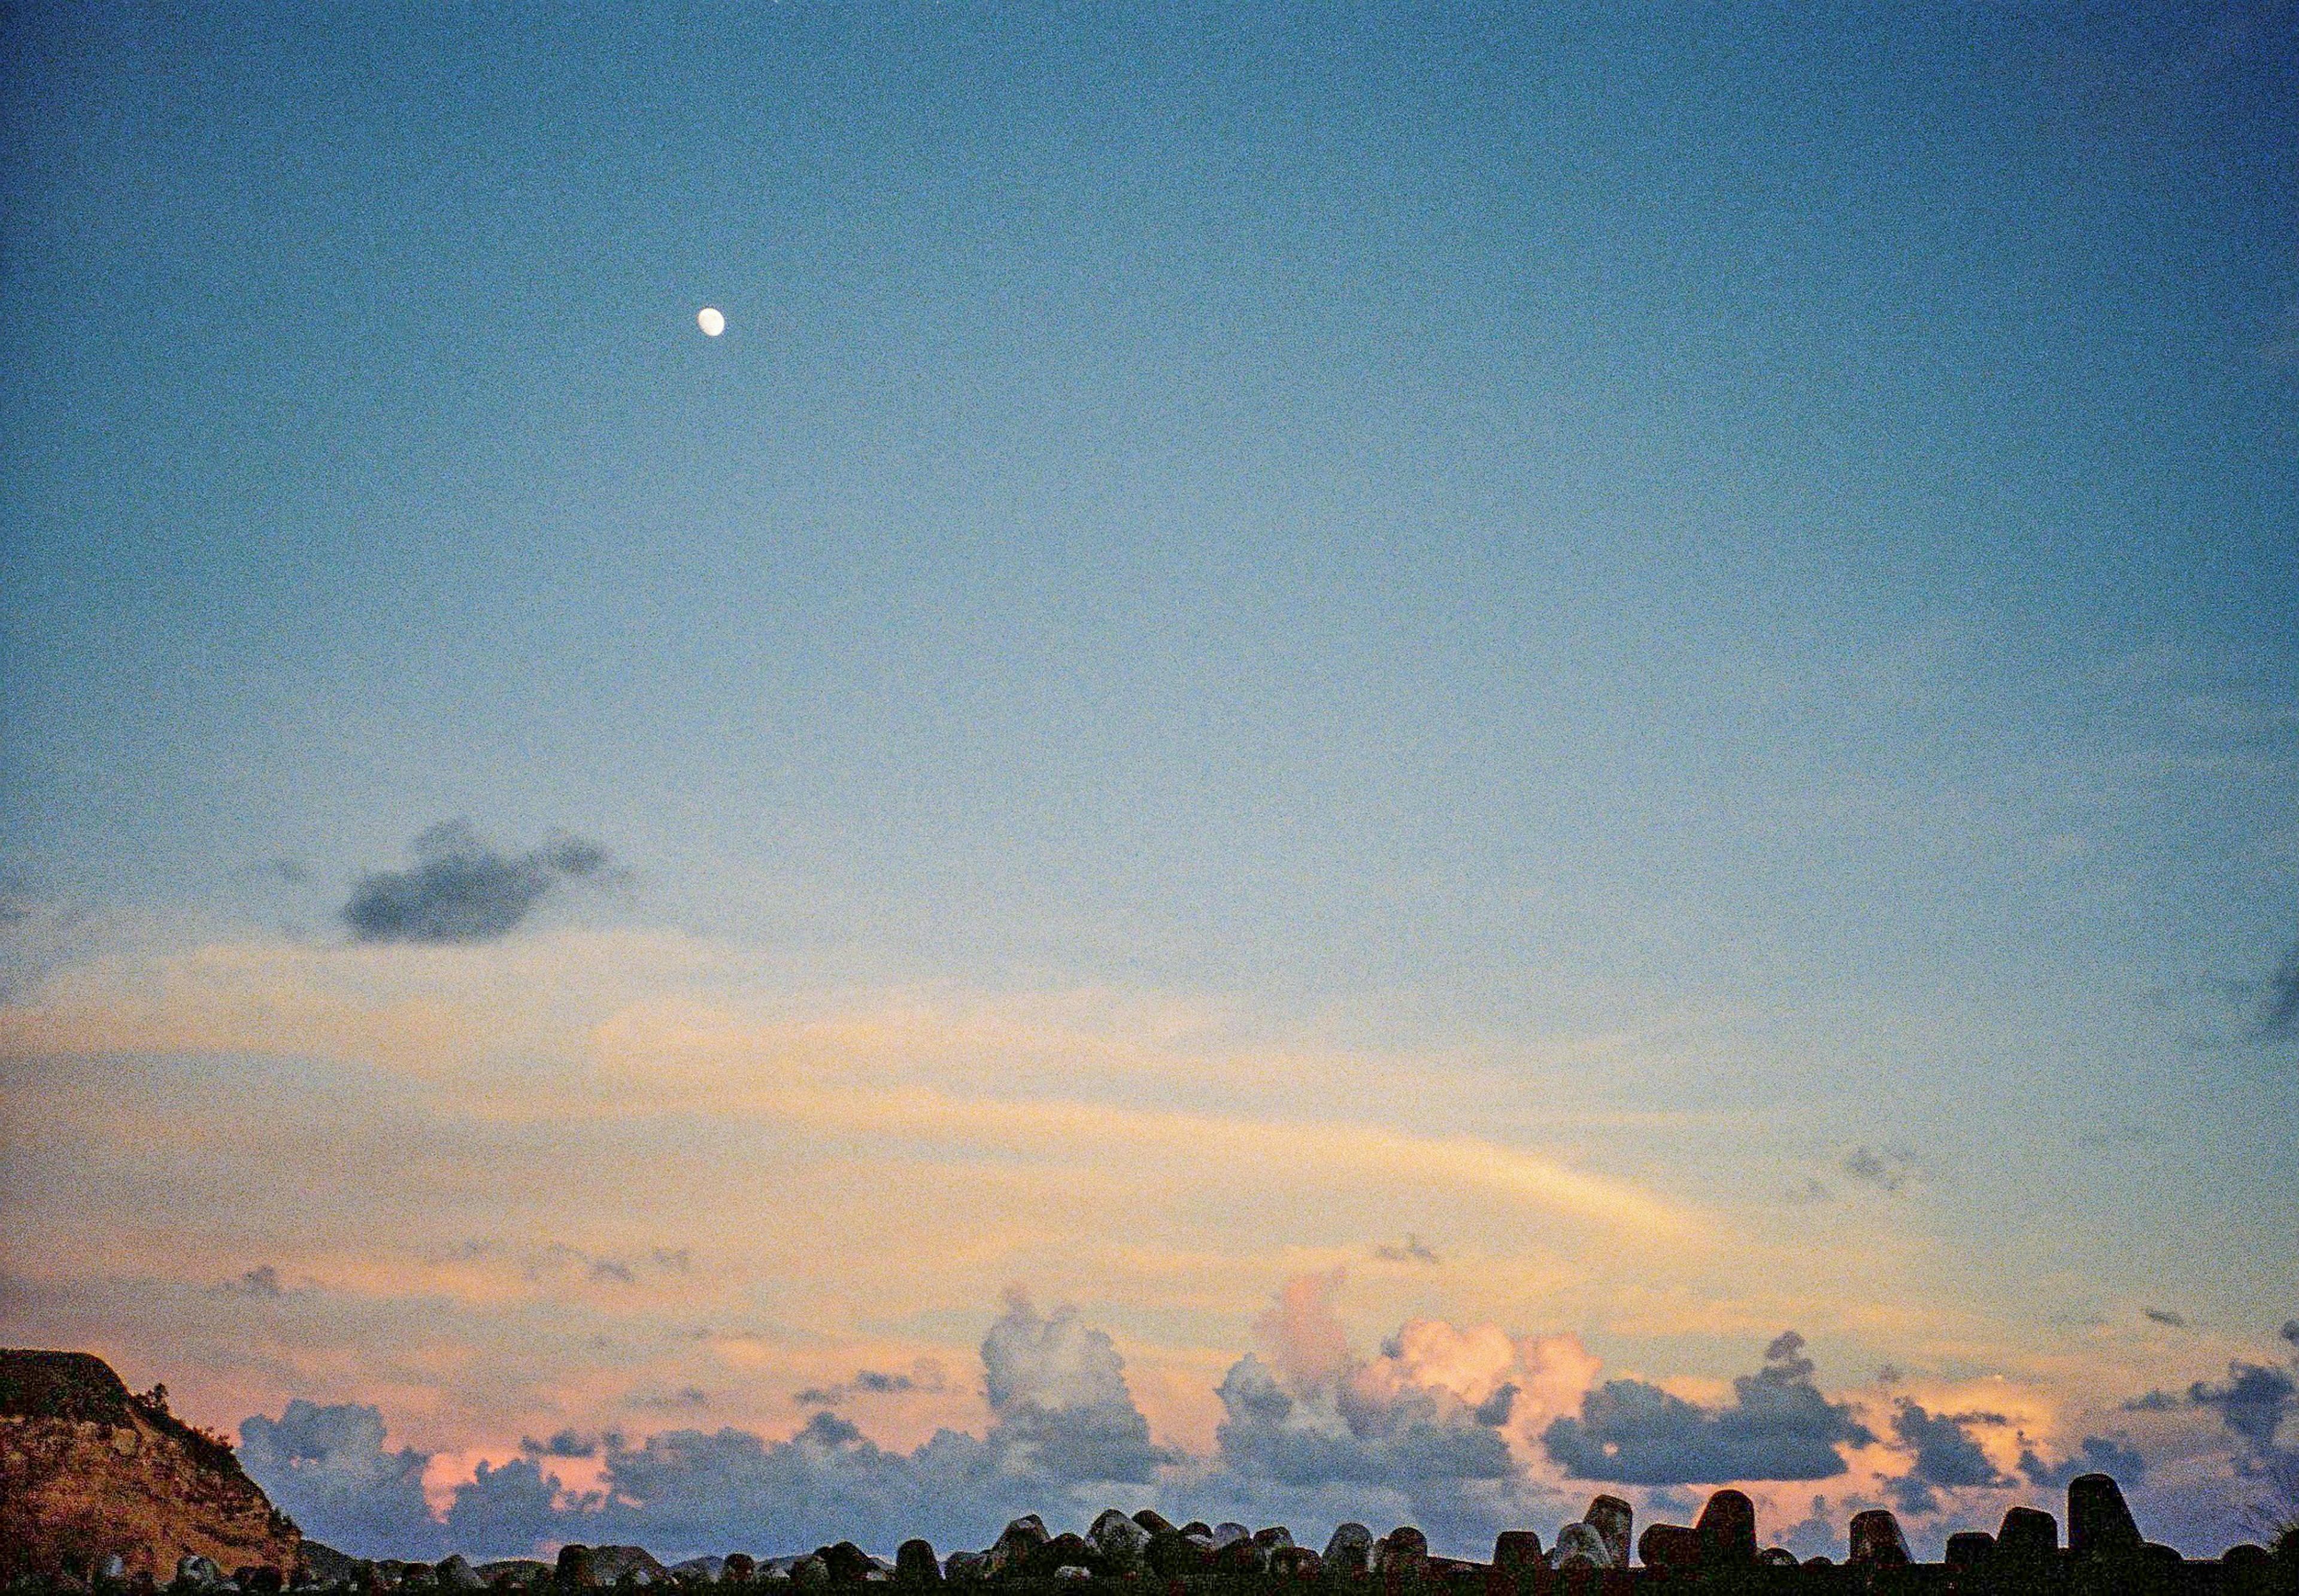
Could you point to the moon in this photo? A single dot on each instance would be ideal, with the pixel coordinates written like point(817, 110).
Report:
point(710, 322)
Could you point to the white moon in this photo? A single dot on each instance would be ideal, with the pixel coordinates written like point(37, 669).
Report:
point(710, 322)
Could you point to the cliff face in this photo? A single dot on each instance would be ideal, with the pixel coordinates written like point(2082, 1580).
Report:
point(86, 1469)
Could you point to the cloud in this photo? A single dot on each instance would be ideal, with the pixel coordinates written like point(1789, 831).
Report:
point(2097, 1454)
point(2154, 1402)
point(1888, 1171)
point(511, 1508)
point(2164, 1316)
point(1064, 1426)
point(1322, 1415)
point(461, 890)
point(1946, 1455)
point(262, 1281)
point(566, 1443)
point(1411, 1250)
point(1058, 1392)
point(1778, 1427)
point(1312, 1431)
point(326, 1468)
point(559, 1261)
point(2278, 1013)
point(2252, 1403)
point(669, 1401)
point(925, 1375)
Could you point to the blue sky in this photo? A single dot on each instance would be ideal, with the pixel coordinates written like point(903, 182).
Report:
point(1712, 587)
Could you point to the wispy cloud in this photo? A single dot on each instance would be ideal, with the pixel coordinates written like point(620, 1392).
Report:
point(1889, 1169)
point(925, 1375)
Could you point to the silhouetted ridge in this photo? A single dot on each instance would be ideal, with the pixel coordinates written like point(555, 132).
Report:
point(77, 1386)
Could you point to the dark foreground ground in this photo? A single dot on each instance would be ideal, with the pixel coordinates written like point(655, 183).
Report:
point(1143, 1554)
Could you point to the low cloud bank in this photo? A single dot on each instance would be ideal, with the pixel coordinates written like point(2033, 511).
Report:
point(1463, 1431)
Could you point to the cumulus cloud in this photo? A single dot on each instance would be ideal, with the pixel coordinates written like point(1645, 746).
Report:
point(2252, 1401)
point(1410, 1251)
point(1777, 1427)
point(327, 1468)
point(1065, 1427)
point(2164, 1315)
point(1947, 1457)
point(511, 1509)
point(1058, 1392)
point(462, 890)
point(2097, 1454)
point(1313, 1431)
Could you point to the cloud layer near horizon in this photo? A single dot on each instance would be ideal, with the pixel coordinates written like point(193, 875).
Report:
point(1457, 1429)
point(641, 1195)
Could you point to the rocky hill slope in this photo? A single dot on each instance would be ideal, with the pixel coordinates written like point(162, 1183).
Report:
point(88, 1468)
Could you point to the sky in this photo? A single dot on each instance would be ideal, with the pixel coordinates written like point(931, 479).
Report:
point(1346, 762)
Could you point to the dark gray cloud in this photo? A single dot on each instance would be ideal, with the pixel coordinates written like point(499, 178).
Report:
point(326, 1468)
point(1887, 1170)
point(1496, 1409)
point(2154, 1402)
point(2252, 1401)
point(511, 1510)
point(1947, 1457)
point(262, 1281)
point(925, 1375)
point(2097, 1454)
point(566, 1443)
point(2279, 1010)
point(1778, 1427)
point(2164, 1315)
point(2290, 1331)
point(462, 890)
point(1409, 1251)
